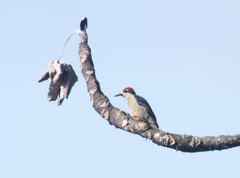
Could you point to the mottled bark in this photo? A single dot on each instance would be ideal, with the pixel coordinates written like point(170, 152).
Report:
point(120, 119)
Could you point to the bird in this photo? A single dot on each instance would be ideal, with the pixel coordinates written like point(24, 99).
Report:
point(140, 108)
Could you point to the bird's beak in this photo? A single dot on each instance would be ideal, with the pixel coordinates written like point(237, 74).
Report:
point(120, 94)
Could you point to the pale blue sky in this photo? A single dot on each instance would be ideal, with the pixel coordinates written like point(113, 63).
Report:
point(182, 56)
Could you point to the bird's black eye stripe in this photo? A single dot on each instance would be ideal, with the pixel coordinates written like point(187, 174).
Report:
point(126, 90)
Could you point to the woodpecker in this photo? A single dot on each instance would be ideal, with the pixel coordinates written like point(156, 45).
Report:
point(139, 107)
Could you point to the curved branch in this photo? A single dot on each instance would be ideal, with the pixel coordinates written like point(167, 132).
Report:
point(118, 118)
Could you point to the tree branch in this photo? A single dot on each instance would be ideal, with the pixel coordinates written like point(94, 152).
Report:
point(118, 118)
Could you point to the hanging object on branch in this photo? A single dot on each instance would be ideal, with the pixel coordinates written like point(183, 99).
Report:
point(62, 75)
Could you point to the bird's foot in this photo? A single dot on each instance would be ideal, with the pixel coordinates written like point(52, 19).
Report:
point(136, 117)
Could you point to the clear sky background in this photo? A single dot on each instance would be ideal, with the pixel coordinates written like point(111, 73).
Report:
point(182, 56)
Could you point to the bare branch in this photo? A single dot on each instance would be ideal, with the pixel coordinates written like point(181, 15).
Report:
point(120, 119)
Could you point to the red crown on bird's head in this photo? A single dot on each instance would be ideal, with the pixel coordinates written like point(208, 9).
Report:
point(128, 90)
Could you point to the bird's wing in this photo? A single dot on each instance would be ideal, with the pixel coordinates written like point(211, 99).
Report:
point(144, 102)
